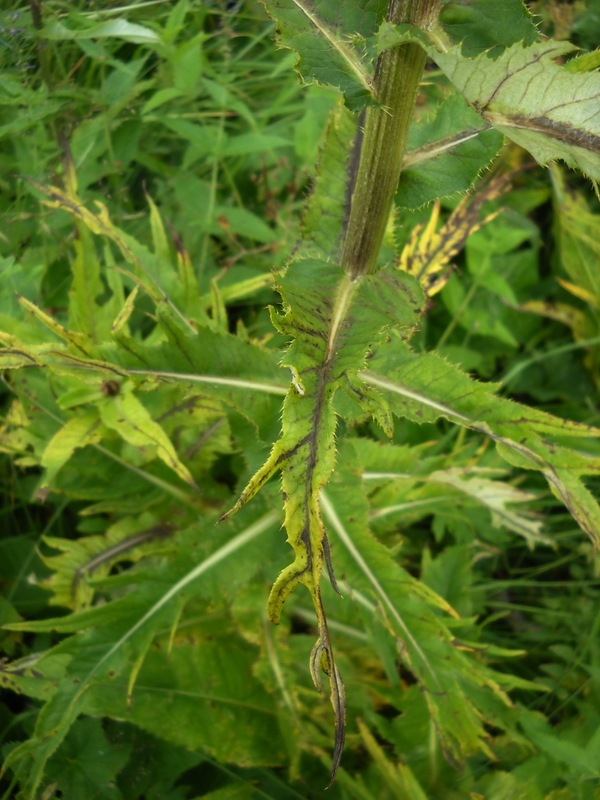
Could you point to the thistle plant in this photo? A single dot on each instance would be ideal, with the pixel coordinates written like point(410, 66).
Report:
point(351, 300)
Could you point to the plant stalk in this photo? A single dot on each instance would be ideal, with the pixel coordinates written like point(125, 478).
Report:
point(396, 82)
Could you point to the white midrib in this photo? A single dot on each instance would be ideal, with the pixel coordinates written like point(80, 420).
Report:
point(338, 44)
point(235, 383)
point(386, 601)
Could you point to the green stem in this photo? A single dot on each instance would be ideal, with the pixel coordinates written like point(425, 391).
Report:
point(397, 75)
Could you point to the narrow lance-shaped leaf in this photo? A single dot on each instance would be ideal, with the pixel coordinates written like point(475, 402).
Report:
point(334, 321)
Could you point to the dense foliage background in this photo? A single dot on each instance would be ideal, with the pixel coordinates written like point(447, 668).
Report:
point(191, 129)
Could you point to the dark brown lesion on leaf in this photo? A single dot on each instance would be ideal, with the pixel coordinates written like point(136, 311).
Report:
point(329, 565)
point(562, 131)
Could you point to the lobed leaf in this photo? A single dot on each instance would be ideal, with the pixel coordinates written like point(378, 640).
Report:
point(425, 387)
point(330, 40)
point(334, 321)
point(82, 672)
point(524, 94)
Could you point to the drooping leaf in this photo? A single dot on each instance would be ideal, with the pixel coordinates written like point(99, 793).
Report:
point(334, 321)
point(498, 497)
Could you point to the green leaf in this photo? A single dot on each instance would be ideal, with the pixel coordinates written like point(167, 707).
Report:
point(334, 321)
point(205, 680)
point(88, 763)
point(221, 366)
point(329, 38)
point(410, 611)
point(488, 25)
point(111, 639)
point(497, 496)
point(243, 223)
point(525, 95)
point(446, 154)
point(79, 431)
point(165, 280)
point(126, 415)
point(115, 28)
point(325, 215)
point(425, 387)
point(88, 558)
point(85, 313)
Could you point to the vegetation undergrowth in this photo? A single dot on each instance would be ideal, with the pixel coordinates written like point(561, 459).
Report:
point(364, 310)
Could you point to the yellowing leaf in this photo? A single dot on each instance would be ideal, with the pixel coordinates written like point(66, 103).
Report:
point(333, 320)
point(126, 415)
point(77, 432)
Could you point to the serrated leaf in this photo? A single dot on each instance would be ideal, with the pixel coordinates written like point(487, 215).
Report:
point(446, 154)
point(497, 496)
point(329, 38)
point(523, 93)
point(207, 680)
point(109, 638)
point(542, 107)
point(91, 557)
point(220, 365)
point(126, 415)
point(425, 387)
point(159, 276)
point(410, 612)
point(334, 321)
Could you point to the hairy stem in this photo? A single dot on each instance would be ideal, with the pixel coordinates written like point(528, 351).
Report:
point(397, 75)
